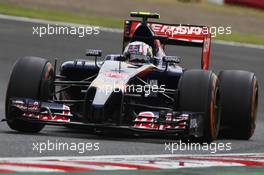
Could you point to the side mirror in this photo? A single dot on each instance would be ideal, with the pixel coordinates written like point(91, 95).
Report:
point(171, 59)
point(92, 52)
point(95, 53)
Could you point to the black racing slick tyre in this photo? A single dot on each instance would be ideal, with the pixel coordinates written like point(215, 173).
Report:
point(198, 92)
point(239, 102)
point(31, 77)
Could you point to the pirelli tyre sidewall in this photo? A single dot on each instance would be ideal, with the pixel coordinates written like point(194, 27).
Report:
point(31, 77)
point(239, 94)
point(198, 92)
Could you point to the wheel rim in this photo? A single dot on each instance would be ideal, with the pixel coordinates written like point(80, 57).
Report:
point(214, 109)
point(254, 107)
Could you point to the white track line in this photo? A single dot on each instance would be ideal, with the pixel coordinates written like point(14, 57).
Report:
point(125, 156)
point(67, 164)
point(27, 169)
point(42, 21)
point(128, 162)
point(237, 44)
point(113, 30)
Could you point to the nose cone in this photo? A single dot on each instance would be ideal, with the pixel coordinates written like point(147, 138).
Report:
point(101, 96)
point(106, 106)
point(105, 91)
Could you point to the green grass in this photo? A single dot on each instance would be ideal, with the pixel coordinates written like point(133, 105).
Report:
point(240, 10)
point(53, 15)
point(234, 9)
point(104, 21)
point(243, 38)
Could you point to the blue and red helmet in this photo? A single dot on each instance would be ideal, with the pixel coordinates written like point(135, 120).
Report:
point(138, 51)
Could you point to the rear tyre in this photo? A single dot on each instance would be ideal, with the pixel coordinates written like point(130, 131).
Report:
point(239, 102)
point(198, 92)
point(31, 77)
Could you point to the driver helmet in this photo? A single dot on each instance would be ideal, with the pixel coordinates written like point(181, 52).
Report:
point(138, 52)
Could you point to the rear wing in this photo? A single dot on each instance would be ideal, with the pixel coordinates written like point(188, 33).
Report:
point(176, 34)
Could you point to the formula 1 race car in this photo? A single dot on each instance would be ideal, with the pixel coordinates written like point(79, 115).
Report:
point(140, 92)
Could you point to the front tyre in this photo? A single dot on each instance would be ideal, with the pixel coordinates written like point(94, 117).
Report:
point(239, 102)
point(31, 77)
point(198, 92)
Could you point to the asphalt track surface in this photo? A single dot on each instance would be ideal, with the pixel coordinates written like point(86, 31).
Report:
point(16, 41)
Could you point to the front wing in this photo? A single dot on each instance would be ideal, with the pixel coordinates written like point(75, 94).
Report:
point(146, 122)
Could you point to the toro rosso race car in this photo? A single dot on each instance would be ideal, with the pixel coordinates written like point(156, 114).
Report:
point(142, 90)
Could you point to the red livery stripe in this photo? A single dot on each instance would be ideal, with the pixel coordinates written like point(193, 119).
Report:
point(56, 167)
point(118, 165)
